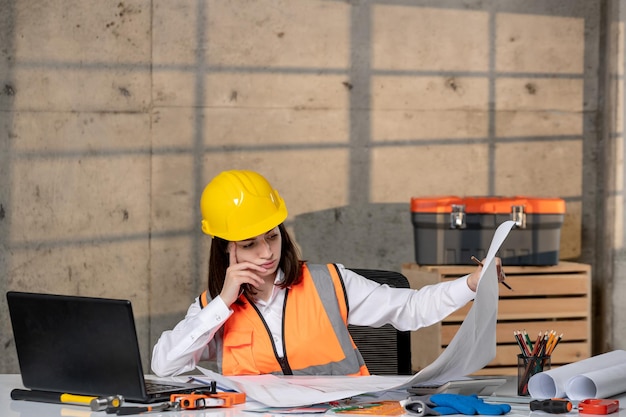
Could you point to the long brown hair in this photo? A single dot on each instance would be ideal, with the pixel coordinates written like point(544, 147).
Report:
point(219, 260)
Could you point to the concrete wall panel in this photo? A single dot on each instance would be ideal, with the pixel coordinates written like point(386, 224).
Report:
point(556, 168)
point(172, 193)
point(277, 127)
point(427, 125)
point(432, 93)
point(278, 89)
point(70, 179)
point(64, 56)
point(540, 123)
point(540, 94)
point(455, 169)
point(413, 37)
point(540, 44)
point(282, 33)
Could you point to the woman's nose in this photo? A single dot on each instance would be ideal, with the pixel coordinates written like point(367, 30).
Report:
point(266, 249)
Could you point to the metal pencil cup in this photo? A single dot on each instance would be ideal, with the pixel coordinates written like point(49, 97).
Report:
point(527, 366)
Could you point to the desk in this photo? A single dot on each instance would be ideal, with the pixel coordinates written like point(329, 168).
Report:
point(10, 408)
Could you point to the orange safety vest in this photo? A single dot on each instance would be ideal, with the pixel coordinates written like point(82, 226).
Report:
point(315, 332)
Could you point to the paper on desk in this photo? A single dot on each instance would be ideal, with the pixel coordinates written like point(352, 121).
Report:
point(600, 376)
point(296, 391)
point(473, 347)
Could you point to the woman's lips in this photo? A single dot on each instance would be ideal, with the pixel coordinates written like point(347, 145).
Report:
point(268, 265)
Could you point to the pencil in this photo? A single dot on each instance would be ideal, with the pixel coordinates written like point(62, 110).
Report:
point(529, 342)
point(521, 343)
point(537, 345)
point(478, 262)
point(556, 342)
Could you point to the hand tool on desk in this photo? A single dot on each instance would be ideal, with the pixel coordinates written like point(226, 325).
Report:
point(203, 399)
point(230, 398)
point(552, 406)
point(127, 411)
point(95, 403)
point(196, 400)
point(598, 406)
point(103, 403)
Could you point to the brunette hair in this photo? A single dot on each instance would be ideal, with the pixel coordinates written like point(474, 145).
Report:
point(219, 260)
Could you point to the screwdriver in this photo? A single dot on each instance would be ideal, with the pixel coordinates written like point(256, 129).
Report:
point(554, 405)
point(127, 411)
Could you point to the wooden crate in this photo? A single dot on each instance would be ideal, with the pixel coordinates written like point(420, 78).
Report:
point(544, 298)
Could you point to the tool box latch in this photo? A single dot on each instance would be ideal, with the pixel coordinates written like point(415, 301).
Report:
point(518, 216)
point(457, 217)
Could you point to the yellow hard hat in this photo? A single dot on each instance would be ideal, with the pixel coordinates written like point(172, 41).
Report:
point(239, 205)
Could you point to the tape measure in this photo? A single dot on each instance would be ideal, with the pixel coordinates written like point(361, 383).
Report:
point(598, 406)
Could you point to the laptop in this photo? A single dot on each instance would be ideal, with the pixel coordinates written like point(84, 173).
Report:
point(82, 345)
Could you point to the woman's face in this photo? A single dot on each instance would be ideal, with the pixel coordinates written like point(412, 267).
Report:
point(263, 250)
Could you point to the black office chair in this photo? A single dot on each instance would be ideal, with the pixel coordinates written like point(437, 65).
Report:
point(386, 351)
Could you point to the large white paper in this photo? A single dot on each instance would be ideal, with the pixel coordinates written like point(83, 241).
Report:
point(474, 344)
point(600, 376)
point(473, 347)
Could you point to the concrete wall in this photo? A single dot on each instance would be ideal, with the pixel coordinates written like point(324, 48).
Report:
point(612, 294)
point(115, 114)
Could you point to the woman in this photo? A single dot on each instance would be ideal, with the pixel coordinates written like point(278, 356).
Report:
point(267, 311)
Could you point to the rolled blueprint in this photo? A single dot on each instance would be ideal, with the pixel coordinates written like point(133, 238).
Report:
point(602, 383)
point(583, 379)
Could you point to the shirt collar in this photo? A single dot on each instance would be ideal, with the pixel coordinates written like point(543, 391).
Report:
point(280, 275)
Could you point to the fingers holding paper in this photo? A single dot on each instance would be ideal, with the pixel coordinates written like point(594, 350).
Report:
point(474, 277)
point(499, 270)
point(501, 274)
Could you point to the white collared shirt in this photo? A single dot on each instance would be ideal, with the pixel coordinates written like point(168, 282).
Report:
point(180, 349)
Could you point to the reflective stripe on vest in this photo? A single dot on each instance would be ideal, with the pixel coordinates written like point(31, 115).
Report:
point(324, 345)
point(348, 360)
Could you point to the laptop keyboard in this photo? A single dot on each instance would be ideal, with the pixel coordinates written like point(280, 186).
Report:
point(152, 386)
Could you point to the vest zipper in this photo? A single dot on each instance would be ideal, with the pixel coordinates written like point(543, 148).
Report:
point(282, 361)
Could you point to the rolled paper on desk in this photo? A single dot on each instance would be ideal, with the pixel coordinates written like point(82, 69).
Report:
point(602, 383)
point(555, 383)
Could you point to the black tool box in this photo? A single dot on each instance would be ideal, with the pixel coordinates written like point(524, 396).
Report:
point(448, 230)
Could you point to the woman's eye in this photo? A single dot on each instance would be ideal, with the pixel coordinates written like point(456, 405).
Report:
point(272, 237)
point(247, 245)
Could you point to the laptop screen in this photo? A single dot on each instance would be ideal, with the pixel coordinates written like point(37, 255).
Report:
point(76, 344)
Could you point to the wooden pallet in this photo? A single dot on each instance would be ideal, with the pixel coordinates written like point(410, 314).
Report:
point(544, 298)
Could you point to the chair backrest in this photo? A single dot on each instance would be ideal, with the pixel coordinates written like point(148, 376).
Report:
point(386, 351)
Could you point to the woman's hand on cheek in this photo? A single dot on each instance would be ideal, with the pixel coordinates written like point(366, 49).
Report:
point(238, 274)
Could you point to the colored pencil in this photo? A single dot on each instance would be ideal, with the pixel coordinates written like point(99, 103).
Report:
point(544, 345)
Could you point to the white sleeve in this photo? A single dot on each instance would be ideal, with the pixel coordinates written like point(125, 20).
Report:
point(180, 349)
point(375, 305)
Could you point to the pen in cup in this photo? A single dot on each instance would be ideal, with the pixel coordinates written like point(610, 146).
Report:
point(478, 262)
